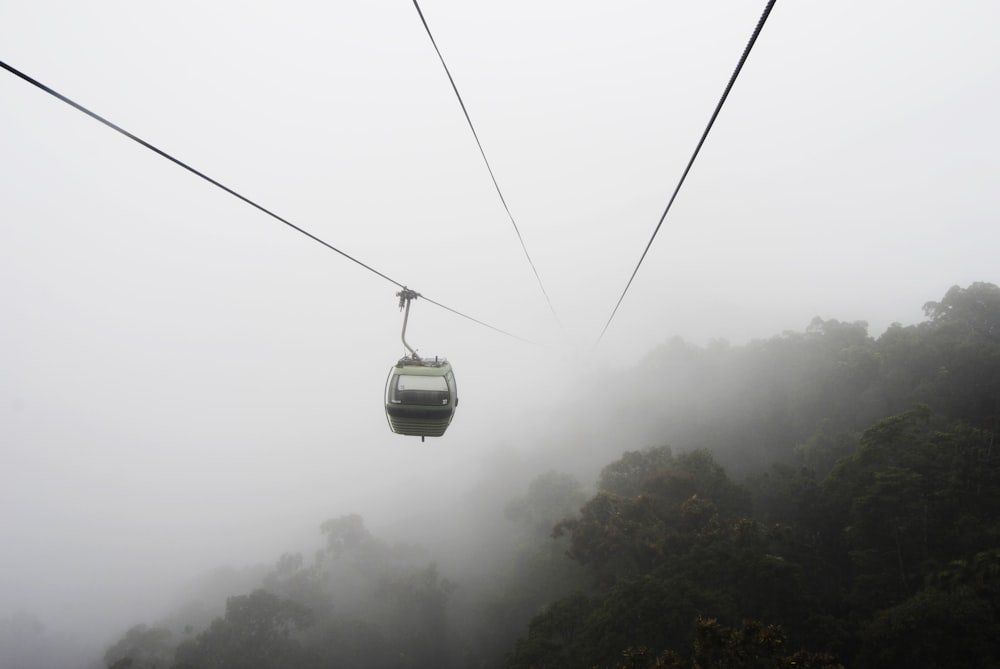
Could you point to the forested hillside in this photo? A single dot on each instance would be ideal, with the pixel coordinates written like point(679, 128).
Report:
point(818, 499)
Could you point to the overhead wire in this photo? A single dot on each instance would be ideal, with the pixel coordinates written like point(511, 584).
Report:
point(79, 107)
point(482, 151)
point(704, 135)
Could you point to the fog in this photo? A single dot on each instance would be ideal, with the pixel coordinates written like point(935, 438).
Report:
point(187, 383)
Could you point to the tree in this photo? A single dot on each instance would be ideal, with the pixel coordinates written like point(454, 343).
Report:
point(556, 638)
point(917, 494)
point(975, 309)
point(346, 534)
point(677, 548)
point(142, 648)
point(257, 632)
point(621, 535)
point(625, 476)
point(952, 361)
point(933, 629)
point(751, 645)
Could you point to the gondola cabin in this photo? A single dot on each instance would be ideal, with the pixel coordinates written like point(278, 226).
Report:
point(420, 397)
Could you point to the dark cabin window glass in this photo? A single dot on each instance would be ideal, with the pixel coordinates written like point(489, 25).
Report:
point(424, 390)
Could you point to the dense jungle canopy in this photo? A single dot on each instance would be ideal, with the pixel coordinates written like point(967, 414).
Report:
point(818, 499)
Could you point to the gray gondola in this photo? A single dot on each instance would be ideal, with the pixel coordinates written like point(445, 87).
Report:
point(420, 397)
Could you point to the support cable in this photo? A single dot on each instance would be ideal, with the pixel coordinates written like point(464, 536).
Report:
point(715, 114)
point(180, 163)
point(496, 185)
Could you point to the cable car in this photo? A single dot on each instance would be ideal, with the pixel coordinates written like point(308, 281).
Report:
point(420, 393)
point(420, 397)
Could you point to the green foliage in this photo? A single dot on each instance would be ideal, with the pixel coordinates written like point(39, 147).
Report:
point(346, 534)
point(625, 476)
point(913, 497)
point(748, 645)
point(674, 550)
point(415, 615)
point(975, 309)
point(821, 450)
point(294, 580)
point(256, 633)
point(349, 642)
point(673, 499)
point(933, 629)
point(361, 603)
point(751, 645)
point(867, 562)
point(556, 638)
point(951, 362)
point(142, 647)
point(866, 531)
point(766, 402)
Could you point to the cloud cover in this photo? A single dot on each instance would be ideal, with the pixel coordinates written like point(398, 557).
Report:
point(187, 382)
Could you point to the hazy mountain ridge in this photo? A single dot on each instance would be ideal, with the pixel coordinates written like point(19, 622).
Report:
point(846, 518)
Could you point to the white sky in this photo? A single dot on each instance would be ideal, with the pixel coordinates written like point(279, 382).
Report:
point(186, 381)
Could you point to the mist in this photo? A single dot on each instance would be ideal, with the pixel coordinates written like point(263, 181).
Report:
point(191, 389)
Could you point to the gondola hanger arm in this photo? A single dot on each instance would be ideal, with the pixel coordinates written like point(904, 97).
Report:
point(405, 297)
